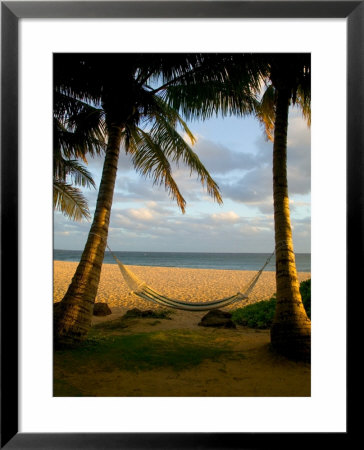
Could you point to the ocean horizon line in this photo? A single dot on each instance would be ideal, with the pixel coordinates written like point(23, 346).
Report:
point(183, 252)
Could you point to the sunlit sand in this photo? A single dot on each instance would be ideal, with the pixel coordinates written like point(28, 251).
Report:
point(256, 372)
point(187, 284)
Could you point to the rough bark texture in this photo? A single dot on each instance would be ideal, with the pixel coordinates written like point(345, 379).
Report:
point(291, 328)
point(72, 319)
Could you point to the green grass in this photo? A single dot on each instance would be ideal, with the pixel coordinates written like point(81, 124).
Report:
point(104, 353)
point(65, 389)
point(260, 315)
point(176, 349)
point(305, 289)
point(148, 314)
point(113, 325)
point(154, 323)
point(130, 319)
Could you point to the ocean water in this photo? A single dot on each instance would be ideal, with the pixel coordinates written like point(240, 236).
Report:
point(227, 261)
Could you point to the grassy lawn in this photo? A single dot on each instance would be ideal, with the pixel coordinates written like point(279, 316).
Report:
point(108, 348)
point(132, 356)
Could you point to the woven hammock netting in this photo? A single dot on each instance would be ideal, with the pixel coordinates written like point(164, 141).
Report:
point(142, 290)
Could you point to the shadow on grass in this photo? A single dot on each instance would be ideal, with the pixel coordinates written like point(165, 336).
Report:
point(130, 319)
point(176, 349)
point(62, 388)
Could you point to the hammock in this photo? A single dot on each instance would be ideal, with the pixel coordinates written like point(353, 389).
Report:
point(142, 290)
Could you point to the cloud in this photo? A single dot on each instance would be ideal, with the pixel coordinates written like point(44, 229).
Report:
point(229, 216)
point(62, 233)
point(144, 214)
point(152, 214)
point(145, 218)
point(155, 227)
point(243, 177)
point(255, 188)
point(252, 188)
point(202, 233)
point(219, 159)
point(96, 163)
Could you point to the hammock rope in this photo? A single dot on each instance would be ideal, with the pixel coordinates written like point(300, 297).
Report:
point(142, 290)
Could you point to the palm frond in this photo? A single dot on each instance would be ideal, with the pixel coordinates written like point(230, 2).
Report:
point(80, 176)
point(178, 150)
point(74, 144)
point(153, 151)
point(78, 128)
point(223, 84)
point(149, 159)
point(303, 100)
point(210, 99)
point(162, 111)
point(265, 111)
point(65, 105)
point(70, 201)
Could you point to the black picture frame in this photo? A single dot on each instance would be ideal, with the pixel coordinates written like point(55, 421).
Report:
point(11, 12)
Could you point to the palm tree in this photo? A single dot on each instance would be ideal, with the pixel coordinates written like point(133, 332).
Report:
point(135, 116)
point(73, 138)
point(286, 79)
point(291, 328)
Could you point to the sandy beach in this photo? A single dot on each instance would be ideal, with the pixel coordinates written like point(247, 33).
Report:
point(194, 285)
point(252, 370)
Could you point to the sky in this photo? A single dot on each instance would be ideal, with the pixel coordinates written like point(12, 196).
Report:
point(239, 158)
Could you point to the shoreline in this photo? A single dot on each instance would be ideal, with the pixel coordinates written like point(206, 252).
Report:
point(178, 267)
point(211, 261)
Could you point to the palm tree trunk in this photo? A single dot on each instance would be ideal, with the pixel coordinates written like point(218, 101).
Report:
point(72, 319)
point(291, 328)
